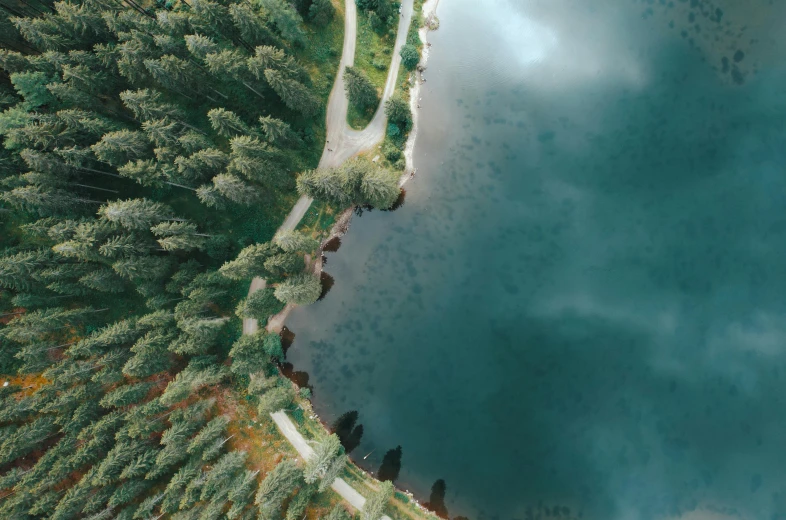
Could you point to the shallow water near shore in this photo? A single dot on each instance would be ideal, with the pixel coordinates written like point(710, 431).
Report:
point(580, 309)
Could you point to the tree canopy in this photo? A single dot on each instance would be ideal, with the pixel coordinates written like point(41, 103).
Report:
point(356, 182)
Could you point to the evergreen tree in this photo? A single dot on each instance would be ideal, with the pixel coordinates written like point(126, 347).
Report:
point(277, 131)
point(321, 12)
point(284, 263)
point(398, 112)
point(294, 94)
point(410, 57)
point(251, 27)
point(333, 471)
point(277, 486)
point(276, 399)
point(126, 395)
point(213, 430)
point(226, 122)
point(135, 213)
point(117, 148)
point(235, 189)
point(360, 91)
point(241, 492)
point(249, 263)
point(337, 513)
point(259, 305)
point(293, 241)
point(222, 473)
point(252, 352)
point(356, 182)
point(379, 188)
point(286, 19)
point(374, 507)
point(301, 289)
point(297, 506)
point(324, 454)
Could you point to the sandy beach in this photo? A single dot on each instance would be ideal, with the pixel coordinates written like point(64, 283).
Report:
point(429, 10)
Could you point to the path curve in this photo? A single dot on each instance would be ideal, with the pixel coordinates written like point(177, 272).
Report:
point(351, 142)
point(342, 142)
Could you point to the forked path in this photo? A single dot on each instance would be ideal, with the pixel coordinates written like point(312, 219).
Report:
point(342, 143)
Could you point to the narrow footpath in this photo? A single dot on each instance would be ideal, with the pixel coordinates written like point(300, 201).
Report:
point(339, 485)
point(344, 142)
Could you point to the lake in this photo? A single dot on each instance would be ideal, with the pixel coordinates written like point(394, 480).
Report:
point(580, 309)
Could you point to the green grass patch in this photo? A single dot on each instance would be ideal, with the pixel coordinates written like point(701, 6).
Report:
point(318, 220)
point(372, 55)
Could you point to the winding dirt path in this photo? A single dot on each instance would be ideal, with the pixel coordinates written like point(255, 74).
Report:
point(342, 143)
point(339, 485)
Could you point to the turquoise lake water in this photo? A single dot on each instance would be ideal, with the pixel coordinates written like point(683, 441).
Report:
point(580, 309)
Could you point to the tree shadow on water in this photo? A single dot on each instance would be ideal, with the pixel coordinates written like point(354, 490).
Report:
point(332, 245)
point(436, 501)
point(349, 433)
point(327, 284)
point(399, 201)
point(299, 377)
point(391, 465)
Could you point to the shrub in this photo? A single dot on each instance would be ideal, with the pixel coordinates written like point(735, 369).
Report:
point(398, 112)
point(360, 91)
point(410, 56)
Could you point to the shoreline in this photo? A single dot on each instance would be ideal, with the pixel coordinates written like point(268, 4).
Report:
point(277, 322)
point(343, 222)
point(429, 10)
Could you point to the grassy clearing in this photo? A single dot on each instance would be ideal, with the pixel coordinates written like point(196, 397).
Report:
point(318, 220)
point(372, 56)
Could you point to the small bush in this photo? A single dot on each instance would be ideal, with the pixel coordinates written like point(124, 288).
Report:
point(298, 416)
point(410, 56)
point(391, 151)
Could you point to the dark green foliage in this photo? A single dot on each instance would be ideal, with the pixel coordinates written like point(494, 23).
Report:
point(356, 182)
point(367, 5)
point(398, 111)
point(252, 352)
point(337, 513)
point(375, 504)
point(360, 91)
point(410, 57)
point(321, 12)
point(117, 121)
point(260, 305)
